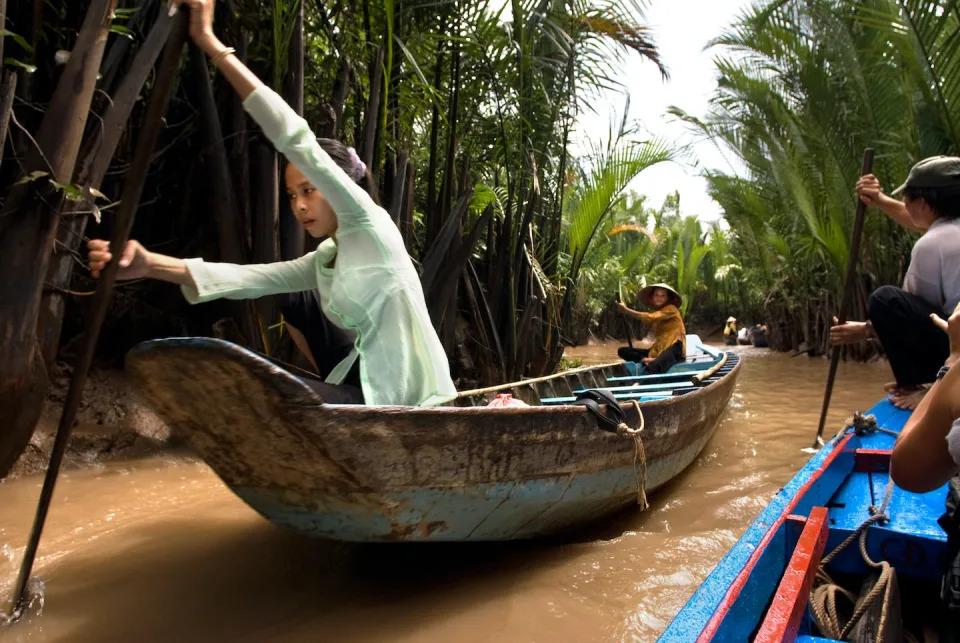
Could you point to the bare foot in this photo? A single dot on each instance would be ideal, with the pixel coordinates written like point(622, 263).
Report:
point(891, 387)
point(908, 401)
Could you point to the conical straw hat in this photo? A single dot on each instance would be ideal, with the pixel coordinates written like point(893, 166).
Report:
point(647, 293)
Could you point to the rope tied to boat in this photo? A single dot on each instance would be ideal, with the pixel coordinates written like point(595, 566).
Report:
point(866, 424)
point(824, 597)
point(613, 420)
point(639, 454)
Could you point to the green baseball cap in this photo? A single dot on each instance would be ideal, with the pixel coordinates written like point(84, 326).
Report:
point(933, 172)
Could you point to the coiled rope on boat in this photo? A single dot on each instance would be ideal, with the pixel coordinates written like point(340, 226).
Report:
point(866, 424)
point(862, 424)
point(824, 597)
point(614, 421)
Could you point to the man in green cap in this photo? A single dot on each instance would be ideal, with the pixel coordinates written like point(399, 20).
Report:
point(900, 317)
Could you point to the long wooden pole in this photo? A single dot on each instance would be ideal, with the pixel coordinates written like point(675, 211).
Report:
point(626, 322)
point(133, 188)
point(847, 299)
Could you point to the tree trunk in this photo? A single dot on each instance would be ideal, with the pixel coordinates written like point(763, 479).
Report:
point(265, 195)
point(372, 114)
point(220, 195)
point(430, 215)
point(341, 89)
point(291, 232)
point(100, 148)
point(449, 172)
point(399, 181)
point(406, 221)
point(8, 89)
point(27, 232)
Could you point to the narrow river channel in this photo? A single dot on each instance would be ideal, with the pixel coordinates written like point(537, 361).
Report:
point(160, 550)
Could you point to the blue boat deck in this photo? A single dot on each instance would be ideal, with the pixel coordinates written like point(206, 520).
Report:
point(848, 476)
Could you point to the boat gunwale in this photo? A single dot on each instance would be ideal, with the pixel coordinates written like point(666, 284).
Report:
point(736, 585)
point(533, 409)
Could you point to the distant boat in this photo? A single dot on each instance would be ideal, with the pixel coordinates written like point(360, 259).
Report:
point(760, 590)
point(467, 472)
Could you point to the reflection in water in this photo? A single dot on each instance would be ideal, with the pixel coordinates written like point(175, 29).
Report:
point(160, 550)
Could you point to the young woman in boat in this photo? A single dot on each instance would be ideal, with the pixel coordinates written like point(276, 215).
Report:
point(670, 344)
point(363, 277)
point(899, 317)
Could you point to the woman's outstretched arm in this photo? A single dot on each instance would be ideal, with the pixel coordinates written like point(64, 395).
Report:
point(237, 74)
point(136, 262)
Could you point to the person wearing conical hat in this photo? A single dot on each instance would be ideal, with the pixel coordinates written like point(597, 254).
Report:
point(670, 345)
point(730, 331)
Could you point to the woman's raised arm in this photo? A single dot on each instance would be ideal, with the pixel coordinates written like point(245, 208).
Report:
point(237, 74)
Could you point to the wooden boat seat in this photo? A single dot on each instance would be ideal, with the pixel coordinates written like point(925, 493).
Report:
point(653, 391)
point(672, 375)
point(782, 621)
point(638, 396)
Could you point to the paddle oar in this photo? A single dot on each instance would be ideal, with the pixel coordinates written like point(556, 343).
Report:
point(847, 295)
point(132, 189)
point(626, 322)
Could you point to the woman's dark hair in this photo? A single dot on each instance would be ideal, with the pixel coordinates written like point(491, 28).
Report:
point(349, 162)
point(945, 202)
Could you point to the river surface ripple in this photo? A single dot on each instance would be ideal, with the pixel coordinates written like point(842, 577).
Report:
point(160, 550)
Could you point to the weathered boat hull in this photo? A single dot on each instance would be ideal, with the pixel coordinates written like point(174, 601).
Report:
point(365, 473)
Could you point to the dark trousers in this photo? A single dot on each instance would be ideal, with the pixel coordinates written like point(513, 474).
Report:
point(329, 344)
point(662, 364)
point(334, 393)
point(915, 347)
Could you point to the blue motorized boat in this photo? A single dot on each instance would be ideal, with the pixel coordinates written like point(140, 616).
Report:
point(761, 589)
point(468, 471)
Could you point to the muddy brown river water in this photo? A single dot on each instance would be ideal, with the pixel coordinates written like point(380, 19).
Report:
point(160, 550)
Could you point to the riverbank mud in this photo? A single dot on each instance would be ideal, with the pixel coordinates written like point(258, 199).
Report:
point(112, 422)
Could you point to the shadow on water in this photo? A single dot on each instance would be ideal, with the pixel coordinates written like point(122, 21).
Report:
point(207, 582)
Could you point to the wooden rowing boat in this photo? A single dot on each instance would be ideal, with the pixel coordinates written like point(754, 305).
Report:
point(463, 472)
point(760, 590)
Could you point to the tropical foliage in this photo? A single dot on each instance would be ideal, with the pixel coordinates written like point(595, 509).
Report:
point(462, 108)
point(642, 245)
point(804, 87)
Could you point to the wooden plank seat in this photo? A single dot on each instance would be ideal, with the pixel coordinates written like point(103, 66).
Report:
point(673, 375)
point(639, 396)
point(782, 620)
point(872, 460)
point(662, 386)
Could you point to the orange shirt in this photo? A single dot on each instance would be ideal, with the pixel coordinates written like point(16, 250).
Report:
point(667, 326)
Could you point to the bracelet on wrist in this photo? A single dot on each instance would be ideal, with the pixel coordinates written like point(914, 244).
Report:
point(220, 55)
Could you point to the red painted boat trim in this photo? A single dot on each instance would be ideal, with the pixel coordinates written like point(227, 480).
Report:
point(782, 621)
point(872, 460)
point(710, 630)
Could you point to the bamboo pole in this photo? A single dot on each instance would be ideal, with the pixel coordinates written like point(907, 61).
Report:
point(846, 301)
point(163, 88)
point(626, 322)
